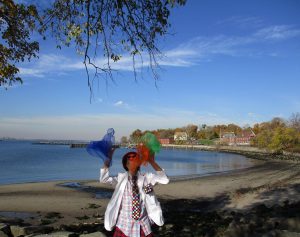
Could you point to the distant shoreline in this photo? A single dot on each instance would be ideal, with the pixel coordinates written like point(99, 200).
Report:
point(250, 152)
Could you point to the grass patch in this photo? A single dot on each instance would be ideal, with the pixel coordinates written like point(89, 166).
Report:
point(206, 142)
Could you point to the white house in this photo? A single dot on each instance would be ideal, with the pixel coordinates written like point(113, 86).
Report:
point(180, 136)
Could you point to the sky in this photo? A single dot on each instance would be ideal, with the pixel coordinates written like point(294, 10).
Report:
point(223, 62)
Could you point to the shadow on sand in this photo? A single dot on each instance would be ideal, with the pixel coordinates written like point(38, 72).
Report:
point(277, 214)
point(209, 217)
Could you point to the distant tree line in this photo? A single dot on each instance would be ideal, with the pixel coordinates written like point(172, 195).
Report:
point(277, 135)
point(194, 132)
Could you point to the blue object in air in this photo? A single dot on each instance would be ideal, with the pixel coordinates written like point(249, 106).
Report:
point(103, 147)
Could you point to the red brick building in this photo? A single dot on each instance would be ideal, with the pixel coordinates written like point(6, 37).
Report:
point(242, 139)
point(228, 138)
point(164, 140)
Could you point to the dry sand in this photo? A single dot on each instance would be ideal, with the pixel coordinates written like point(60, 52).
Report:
point(266, 182)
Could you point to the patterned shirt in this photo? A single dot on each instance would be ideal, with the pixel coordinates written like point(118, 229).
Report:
point(126, 223)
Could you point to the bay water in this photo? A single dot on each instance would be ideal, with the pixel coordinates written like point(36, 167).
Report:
point(23, 162)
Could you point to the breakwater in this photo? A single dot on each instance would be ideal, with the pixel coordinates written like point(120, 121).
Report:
point(52, 143)
point(78, 145)
point(65, 143)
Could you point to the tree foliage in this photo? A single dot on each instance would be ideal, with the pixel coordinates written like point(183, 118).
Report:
point(17, 21)
point(277, 135)
point(136, 135)
point(213, 132)
point(294, 121)
point(98, 29)
point(165, 133)
point(191, 131)
point(124, 140)
point(283, 138)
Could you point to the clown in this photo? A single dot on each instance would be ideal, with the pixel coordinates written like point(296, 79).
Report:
point(133, 207)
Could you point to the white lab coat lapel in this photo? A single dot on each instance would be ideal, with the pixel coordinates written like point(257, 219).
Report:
point(112, 210)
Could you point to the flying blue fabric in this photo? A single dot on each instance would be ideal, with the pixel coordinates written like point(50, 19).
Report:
point(103, 147)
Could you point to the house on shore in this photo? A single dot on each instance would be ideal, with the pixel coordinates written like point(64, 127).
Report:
point(242, 139)
point(165, 140)
point(228, 138)
point(180, 136)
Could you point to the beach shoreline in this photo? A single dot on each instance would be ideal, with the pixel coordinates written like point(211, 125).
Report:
point(247, 151)
point(52, 204)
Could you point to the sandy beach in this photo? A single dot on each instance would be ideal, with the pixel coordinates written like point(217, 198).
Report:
point(268, 182)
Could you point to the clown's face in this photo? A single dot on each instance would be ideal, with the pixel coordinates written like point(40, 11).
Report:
point(133, 162)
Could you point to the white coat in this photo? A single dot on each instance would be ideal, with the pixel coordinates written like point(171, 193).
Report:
point(152, 205)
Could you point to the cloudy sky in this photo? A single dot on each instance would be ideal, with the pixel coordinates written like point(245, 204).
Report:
point(223, 62)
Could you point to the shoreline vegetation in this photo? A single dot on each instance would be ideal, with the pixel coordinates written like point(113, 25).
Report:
point(250, 152)
point(278, 136)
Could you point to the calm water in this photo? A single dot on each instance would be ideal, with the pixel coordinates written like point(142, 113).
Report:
point(22, 161)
